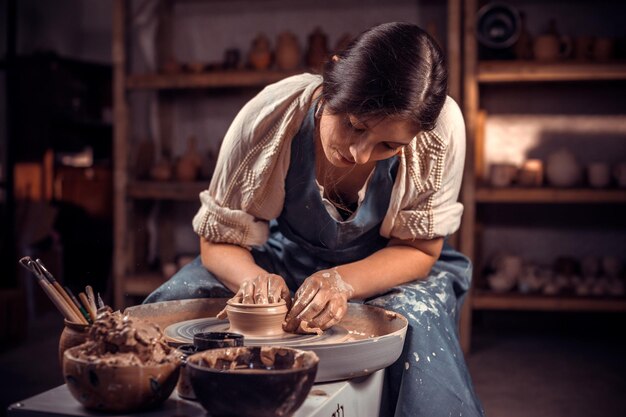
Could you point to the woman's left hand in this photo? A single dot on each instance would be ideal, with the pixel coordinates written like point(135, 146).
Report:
point(320, 302)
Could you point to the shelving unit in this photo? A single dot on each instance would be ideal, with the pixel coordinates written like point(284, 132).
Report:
point(476, 75)
point(130, 193)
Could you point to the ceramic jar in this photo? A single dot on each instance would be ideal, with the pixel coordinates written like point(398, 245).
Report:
point(188, 165)
point(287, 51)
point(260, 56)
point(563, 169)
point(317, 50)
point(73, 334)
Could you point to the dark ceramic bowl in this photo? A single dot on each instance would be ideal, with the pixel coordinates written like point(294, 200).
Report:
point(252, 381)
point(214, 340)
point(118, 388)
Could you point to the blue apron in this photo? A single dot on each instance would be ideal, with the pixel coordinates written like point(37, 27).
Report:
point(431, 378)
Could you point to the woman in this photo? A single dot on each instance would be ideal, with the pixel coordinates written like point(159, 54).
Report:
point(343, 187)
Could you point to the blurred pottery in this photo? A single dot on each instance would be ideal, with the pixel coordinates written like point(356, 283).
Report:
point(162, 170)
point(524, 46)
point(611, 266)
point(500, 282)
point(551, 47)
point(287, 51)
point(260, 55)
point(599, 174)
point(317, 50)
point(232, 56)
point(502, 174)
point(563, 169)
point(583, 48)
point(188, 165)
point(196, 67)
point(590, 266)
point(602, 49)
point(619, 172)
point(531, 173)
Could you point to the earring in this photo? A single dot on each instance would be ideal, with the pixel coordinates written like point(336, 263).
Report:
point(319, 110)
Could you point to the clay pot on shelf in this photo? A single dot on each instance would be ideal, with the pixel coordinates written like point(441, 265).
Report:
point(602, 49)
point(73, 334)
point(599, 174)
point(502, 174)
point(171, 66)
point(188, 165)
point(232, 56)
point(563, 169)
point(317, 50)
point(287, 51)
point(524, 46)
point(162, 170)
point(260, 55)
point(531, 173)
point(551, 46)
point(583, 48)
point(619, 172)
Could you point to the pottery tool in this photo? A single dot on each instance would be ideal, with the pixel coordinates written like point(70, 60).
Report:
point(56, 298)
point(61, 291)
point(78, 304)
point(91, 297)
point(100, 302)
point(87, 304)
point(367, 338)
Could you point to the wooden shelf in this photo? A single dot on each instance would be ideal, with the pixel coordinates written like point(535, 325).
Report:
point(142, 284)
point(549, 195)
point(170, 190)
point(485, 300)
point(531, 71)
point(213, 79)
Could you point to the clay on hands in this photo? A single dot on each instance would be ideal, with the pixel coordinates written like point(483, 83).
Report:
point(264, 289)
point(320, 303)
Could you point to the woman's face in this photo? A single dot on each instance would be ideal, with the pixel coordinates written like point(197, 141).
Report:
point(348, 141)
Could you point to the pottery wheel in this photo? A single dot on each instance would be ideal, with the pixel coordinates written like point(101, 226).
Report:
point(367, 339)
point(182, 333)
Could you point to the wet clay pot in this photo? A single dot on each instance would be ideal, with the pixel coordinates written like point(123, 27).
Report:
point(256, 319)
point(118, 388)
point(73, 334)
point(252, 381)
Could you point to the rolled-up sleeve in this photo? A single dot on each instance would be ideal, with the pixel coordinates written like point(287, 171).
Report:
point(247, 189)
point(424, 201)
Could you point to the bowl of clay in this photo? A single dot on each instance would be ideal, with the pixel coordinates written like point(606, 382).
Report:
point(118, 387)
point(252, 381)
point(258, 320)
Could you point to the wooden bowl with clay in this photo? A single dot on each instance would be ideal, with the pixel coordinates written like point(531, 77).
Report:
point(258, 320)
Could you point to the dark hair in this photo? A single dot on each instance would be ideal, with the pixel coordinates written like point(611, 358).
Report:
point(393, 69)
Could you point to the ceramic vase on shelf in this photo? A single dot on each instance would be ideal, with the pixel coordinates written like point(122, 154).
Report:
point(563, 169)
point(188, 165)
point(551, 46)
point(260, 55)
point(162, 170)
point(288, 53)
point(317, 50)
point(523, 48)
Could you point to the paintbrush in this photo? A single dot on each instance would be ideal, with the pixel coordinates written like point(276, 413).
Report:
point(58, 301)
point(91, 297)
point(61, 291)
point(78, 304)
point(87, 304)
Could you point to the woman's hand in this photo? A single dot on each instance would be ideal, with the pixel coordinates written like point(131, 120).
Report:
point(264, 289)
point(320, 302)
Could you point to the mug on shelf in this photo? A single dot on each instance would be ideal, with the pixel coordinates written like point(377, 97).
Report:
point(599, 174)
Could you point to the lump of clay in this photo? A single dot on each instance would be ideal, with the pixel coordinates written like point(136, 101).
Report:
point(116, 339)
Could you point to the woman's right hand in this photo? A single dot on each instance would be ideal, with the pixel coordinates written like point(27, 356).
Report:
point(264, 289)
